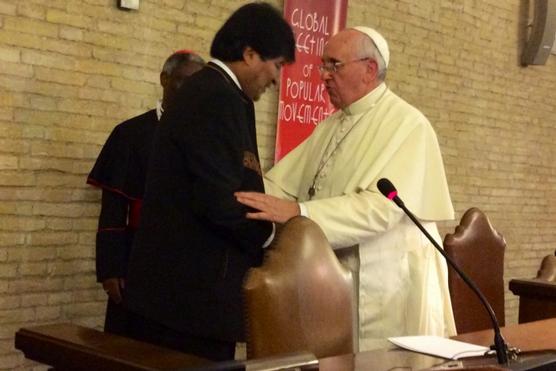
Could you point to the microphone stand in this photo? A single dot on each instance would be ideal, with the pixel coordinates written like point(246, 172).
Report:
point(500, 345)
point(389, 191)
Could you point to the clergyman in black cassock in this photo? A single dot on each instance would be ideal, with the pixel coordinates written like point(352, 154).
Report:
point(120, 172)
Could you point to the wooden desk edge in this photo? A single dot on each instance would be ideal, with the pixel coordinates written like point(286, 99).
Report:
point(41, 344)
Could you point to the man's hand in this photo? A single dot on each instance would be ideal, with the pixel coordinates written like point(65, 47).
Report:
point(271, 208)
point(113, 287)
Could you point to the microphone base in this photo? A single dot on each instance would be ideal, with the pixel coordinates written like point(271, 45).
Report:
point(533, 361)
point(525, 361)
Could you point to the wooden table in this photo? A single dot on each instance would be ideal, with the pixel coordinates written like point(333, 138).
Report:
point(532, 337)
point(88, 349)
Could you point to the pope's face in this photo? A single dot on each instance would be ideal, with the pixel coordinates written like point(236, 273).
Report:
point(346, 82)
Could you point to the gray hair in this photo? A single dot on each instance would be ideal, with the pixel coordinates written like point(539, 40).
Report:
point(366, 48)
point(180, 58)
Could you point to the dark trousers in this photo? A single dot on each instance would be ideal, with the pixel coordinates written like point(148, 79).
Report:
point(117, 319)
point(147, 330)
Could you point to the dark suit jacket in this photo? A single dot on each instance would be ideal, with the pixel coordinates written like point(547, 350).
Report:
point(194, 244)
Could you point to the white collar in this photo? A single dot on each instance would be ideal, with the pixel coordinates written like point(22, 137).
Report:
point(159, 109)
point(366, 102)
point(227, 69)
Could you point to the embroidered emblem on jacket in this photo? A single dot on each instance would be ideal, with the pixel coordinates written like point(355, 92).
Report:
point(250, 161)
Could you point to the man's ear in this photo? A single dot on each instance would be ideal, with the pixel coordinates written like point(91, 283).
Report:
point(163, 79)
point(372, 68)
point(250, 55)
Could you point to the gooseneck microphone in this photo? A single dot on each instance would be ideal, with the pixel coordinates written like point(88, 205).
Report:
point(387, 189)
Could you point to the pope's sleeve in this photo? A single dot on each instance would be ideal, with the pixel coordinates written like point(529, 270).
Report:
point(283, 180)
point(351, 218)
point(275, 190)
point(360, 214)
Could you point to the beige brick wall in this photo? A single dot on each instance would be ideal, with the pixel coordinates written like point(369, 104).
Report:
point(72, 69)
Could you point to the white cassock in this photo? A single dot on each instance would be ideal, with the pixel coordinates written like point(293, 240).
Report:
point(403, 286)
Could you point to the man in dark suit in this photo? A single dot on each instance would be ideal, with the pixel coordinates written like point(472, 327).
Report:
point(194, 244)
point(120, 172)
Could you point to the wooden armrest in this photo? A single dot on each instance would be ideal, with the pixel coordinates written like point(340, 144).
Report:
point(72, 347)
point(533, 287)
point(537, 298)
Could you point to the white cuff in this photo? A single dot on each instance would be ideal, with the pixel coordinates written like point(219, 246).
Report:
point(303, 210)
point(271, 237)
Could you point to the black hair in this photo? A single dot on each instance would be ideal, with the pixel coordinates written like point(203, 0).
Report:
point(258, 25)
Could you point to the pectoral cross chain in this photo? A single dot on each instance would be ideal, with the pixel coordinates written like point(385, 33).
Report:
point(311, 191)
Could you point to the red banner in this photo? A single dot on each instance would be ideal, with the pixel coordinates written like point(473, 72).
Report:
point(303, 99)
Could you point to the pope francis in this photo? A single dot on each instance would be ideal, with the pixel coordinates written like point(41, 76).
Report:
point(331, 178)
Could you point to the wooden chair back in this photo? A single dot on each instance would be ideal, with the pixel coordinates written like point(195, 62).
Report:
point(301, 298)
point(478, 249)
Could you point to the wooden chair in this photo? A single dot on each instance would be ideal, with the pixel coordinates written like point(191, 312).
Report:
point(478, 249)
point(301, 299)
point(537, 296)
point(547, 271)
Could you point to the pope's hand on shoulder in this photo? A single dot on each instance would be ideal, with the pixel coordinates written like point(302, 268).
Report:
point(270, 208)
